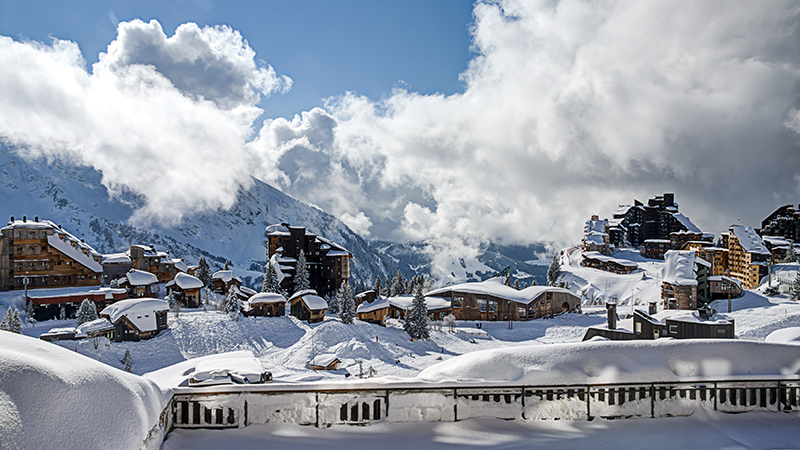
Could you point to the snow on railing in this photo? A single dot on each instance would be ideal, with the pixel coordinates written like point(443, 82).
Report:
point(327, 406)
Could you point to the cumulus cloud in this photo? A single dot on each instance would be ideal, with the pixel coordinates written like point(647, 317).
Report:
point(569, 109)
point(166, 118)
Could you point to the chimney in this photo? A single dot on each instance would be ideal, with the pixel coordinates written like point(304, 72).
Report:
point(12, 219)
point(669, 199)
point(35, 218)
point(612, 315)
point(24, 218)
point(652, 308)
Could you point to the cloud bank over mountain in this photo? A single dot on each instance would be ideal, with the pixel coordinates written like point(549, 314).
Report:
point(568, 109)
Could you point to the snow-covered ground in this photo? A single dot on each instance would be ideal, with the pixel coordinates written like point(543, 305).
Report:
point(704, 429)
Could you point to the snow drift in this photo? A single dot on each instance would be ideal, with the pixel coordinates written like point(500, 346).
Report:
point(52, 397)
point(619, 362)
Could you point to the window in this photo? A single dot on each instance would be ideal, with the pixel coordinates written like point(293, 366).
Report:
point(482, 304)
point(720, 330)
point(458, 301)
point(638, 328)
point(492, 306)
point(673, 329)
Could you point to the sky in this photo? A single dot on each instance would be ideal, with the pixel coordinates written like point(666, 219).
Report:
point(447, 122)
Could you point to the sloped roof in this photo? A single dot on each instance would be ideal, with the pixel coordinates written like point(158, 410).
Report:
point(679, 268)
point(315, 302)
point(141, 312)
point(186, 281)
point(266, 297)
point(749, 240)
point(141, 278)
point(497, 288)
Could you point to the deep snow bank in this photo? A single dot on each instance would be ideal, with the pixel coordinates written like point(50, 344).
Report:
point(626, 362)
point(51, 397)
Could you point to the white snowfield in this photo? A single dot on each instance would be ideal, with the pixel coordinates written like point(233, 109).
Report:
point(661, 360)
point(51, 397)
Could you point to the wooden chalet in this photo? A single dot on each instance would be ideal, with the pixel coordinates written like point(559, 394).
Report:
point(721, 287)
point(307, 305)
point(375, 309)
point(40, 254)
point(265, 304)
point(140, 284)
point(493, 300)
point(186, 289)
point(597, 261)
point(703, 324)
point(685, 280)
point(222, 280)
point(137, 319)
point(325, 362)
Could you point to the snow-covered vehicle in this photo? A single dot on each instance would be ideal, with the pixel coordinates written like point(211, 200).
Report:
point(218, 371)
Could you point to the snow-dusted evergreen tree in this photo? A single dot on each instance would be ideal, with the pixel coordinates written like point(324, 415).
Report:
point(516, 284)
point(301, 276)
point(554, 272)
point(347, 304)
point(204, 271)
point(796, 286)
point(377, 285)
point(231, 305)
point(87, 312)
point(62, 313)
point(29, 311)
point(11, 322)
point(126, 360)
point(387, 288)
point(416, 320)
point(398, 285)
point(450, 322)
point(333, 302)
point(791, 255)
point(271, 283)
point(173, 304)
point(227, 267)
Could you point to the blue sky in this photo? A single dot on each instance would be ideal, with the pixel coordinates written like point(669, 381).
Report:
point(457, 124)
point(326, 47)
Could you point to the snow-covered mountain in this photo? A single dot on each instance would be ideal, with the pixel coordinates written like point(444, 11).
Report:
point(74, 197)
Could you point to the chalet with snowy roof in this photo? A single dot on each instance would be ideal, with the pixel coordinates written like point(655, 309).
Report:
point(494, 300)
point(685, 280)
point(596, 260)
point(48, 303)
point(325, 361)
point(783, 222)
point(115, 266)
point(222, 280)
point(265, 304)
point(328, 263)
point(748, 256)
point(778, 246)
point(88, 330)
point(701, 324)
point(307, 305)
point(44, 255)
point(376, 309)
point(656, 248)
point(137, 319)
point(186, 289)
point(595, 236)
point(140, 284)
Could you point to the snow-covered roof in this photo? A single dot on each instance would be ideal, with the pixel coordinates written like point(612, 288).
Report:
point(776, 241)
point(336, 249)
point(375, 305)
point(749, 240)
point(66, 248)
point(432, 303)
point(225, 276)
point(686, 222)
point(657, 241)
point(315, 302)
point(141, 278)
point(266, 297)
point(724, 278)
point(496, 287)
point(679, 268)
point(59, 331)
point(279, 269)
point(219, 366)
point(277, 230)
point(600, 257)
point(596, 226)
point(302, 293)
point(180, 265)
point(694, 317)
point(57, 398)
point(595, 237)
point(96, 325)
point(116, 258)
point(141, 312)
point(186, 281)
point(247, 291)
point(324, 360)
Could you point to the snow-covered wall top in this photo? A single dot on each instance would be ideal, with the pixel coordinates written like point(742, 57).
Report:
point(662, 360)
point(56, 398)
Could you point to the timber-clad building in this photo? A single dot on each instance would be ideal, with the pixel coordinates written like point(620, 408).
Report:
point(493, 300)
point(45, 255)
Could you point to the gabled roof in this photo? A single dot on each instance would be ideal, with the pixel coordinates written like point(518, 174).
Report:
point(749, 240)
point(141, 278)
point(497, 288)
point(314, 302)
point(185, 281)
point(266, 297)
point(225, 276)
point(140, 312)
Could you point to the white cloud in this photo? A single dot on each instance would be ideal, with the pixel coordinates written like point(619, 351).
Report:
point(169, 130)
point(571, 108)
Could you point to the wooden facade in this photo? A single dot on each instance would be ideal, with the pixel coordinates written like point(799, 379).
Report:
point(265, 304)
point(222, 280)
point(328, 263)
point(45, 255)
point(308, 306)
point(186, 290)
point(137, 319)
point(606, 263)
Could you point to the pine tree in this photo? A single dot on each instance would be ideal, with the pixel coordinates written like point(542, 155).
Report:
point(301, 277)
point(204, 271)
point(347, 304)
point(29, 311)
point(173, 304)
point(333, 303)
point(227, 267)
point(87, 312)
point(387, 288)
point(398, 285)
point(11, 322)
point(62, 313)
point(271, 283)
point(127, 360)
point(416, 321)
point(231, 305)
point(554, 272)
point(796, 286)
point(791, 255)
